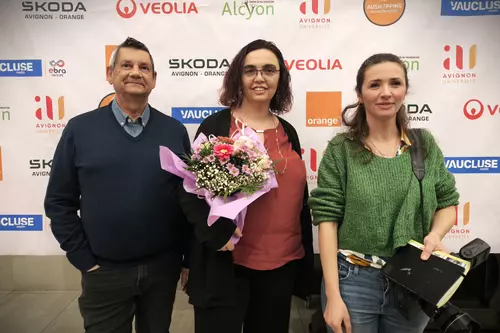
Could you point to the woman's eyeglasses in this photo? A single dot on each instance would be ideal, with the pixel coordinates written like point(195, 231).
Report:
point(267, 71)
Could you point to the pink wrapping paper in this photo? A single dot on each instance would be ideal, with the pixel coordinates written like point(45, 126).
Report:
point(233, 207)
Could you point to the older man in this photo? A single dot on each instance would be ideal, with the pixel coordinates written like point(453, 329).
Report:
point(114, 210)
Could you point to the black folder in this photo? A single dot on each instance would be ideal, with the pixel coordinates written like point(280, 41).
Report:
point(434, 280)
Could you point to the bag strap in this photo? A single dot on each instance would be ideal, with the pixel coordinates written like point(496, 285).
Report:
point(418, 166)
point(417, 158)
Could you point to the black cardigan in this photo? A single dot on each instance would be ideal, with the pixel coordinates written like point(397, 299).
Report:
point(211, 276)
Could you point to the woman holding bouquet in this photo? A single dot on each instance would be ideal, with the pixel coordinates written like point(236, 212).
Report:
point(251, 283)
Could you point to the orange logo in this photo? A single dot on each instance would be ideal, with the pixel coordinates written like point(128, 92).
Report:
point(106, 100)
point(109, 50)
point(1, 170)
point(384, 12)
point(324, 109)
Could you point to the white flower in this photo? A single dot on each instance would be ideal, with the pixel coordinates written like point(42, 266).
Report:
point(263, 163)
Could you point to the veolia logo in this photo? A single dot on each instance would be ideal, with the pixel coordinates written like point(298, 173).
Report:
point(124, 11)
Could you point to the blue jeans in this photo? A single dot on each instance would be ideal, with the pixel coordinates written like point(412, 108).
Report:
point(372, 302)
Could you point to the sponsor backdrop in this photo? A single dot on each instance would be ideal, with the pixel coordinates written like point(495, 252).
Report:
point(54, 69)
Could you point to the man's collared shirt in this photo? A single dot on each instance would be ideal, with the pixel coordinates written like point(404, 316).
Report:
point(133, 127)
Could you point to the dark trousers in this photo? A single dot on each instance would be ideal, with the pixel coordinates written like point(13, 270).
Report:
point(112, 296)
point(263, 303)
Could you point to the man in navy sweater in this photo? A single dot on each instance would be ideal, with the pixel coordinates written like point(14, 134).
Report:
point(114, 210)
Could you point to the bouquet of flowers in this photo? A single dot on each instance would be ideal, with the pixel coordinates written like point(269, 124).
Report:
point(229, 173)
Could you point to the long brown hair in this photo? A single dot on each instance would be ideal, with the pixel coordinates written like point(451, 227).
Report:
point(358, 126)
point(232, 93)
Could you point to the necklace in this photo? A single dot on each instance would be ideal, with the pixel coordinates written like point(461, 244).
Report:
point(277, 141)
point(382, 154)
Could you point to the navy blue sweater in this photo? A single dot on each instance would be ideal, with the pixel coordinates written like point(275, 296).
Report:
point(128, 206)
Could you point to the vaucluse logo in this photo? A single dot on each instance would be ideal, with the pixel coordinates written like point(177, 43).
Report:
point(21, 222)
point(128, 8)
point(21, 68)
point(472, 164)
point(193, 115)
point(53, 10)
point(469, 8)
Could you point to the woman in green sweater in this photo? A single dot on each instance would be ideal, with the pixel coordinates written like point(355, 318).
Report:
point(367, 204)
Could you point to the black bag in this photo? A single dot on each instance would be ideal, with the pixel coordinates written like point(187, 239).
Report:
point(317, 324)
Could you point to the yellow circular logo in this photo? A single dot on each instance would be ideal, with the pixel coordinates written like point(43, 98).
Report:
point(384, 12)
point(106, 100)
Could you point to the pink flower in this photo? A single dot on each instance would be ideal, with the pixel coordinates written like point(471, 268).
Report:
point(234, 172)
point(223, 151)
point(252, 156)
point(246, 170)
point(211, 158)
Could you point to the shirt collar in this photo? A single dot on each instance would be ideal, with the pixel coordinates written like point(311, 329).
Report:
point(404, 139)
point(123, 118)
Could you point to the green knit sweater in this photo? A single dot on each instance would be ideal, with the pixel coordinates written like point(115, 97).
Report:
point(377, 201)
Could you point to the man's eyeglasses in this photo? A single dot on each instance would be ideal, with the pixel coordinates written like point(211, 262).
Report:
point(267, 71)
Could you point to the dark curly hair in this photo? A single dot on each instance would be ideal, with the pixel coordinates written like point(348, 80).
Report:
point(231, 92)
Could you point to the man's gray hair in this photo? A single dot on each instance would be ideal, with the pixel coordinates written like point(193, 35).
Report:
point(130, 43)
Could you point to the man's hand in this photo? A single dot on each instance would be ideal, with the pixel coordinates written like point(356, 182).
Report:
point(93, 268)
point(229, 245)
point(432, 242)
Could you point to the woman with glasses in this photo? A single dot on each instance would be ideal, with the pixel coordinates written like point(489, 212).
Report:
point(250, 284)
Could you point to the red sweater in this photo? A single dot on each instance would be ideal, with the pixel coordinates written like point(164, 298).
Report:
point(272, 231)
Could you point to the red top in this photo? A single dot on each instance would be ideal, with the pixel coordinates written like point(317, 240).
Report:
point(272, 232)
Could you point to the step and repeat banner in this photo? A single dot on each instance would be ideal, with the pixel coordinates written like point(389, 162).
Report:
point(53, 65)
